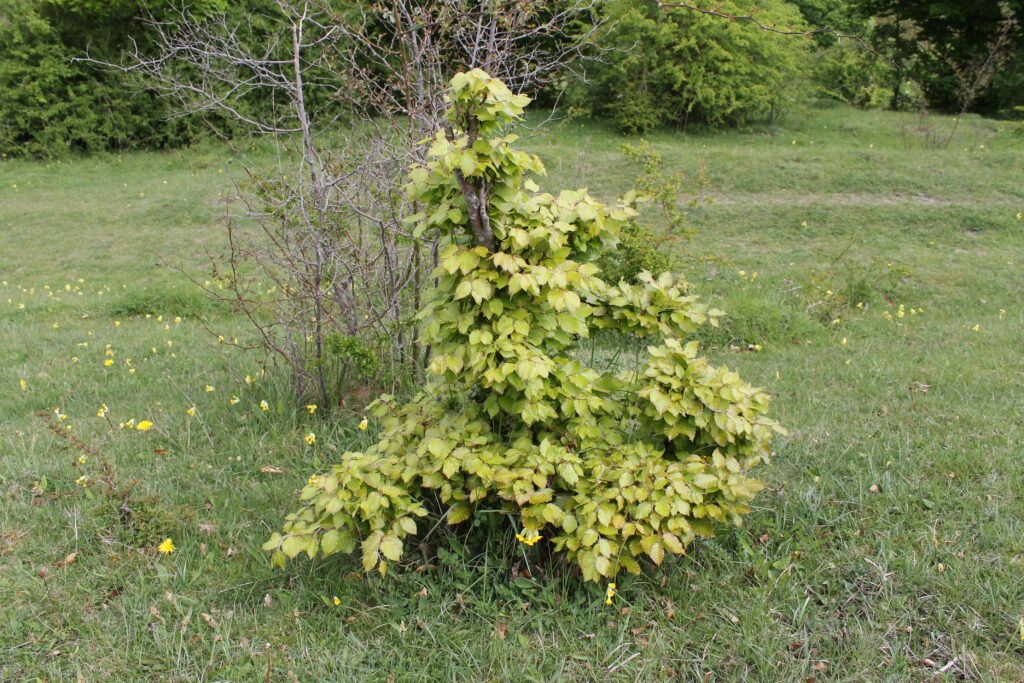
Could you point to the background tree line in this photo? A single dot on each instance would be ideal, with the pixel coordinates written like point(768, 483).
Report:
point(654, 66)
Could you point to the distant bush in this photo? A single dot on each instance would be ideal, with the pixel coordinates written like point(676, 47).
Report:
point(678, 66)
point(51, 105)
point(849, 73)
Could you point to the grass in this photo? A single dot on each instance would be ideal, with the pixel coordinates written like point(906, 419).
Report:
point(887, 547)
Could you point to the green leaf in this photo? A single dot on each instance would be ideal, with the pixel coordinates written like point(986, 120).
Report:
point(459, 513)
point(391, 548)
point(293, 545)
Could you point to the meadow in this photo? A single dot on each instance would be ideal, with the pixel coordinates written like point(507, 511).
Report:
point(873, 283)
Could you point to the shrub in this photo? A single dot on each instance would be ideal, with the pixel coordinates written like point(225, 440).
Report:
point(605, 468)
point(677, 66)
point(643, 246)
point(848, 73)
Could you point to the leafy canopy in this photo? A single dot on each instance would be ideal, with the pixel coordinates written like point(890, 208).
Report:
point(606, 467)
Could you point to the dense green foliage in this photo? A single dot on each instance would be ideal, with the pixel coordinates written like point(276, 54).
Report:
point(678, 66)
point(51, 105)
point(606, 466)
point(932, 42)
point(658, 66)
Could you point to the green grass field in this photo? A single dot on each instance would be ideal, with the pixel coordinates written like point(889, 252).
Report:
point(888, 546)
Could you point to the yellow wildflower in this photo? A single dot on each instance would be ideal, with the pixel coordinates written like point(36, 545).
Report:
point(311, 408)
point(976, 328)
point(609, 594)
point(336, 601)
point(843, 341)
point(528, 541)
point(209, 388)
point(108, 362)
point(363, 423)
point(166, 547)
point(264, 405)
point(233, 400)
point(23, 384)
point(310, 438)
point(82, 481)
point(144, 425)
point(191, 412)
point(102, 412)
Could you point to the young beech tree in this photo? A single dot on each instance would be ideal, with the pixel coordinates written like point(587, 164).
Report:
point(605, 467)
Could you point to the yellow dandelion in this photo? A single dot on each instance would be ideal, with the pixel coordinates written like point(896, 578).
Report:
point(311, 408)
point(609, 594)
point(310, 438)
point(108, 362)
point(144, 425)
point(117, 323)
point(166, 547)
point(528, 541)
point(264, 405)
point(23, 384)
point(363, 423)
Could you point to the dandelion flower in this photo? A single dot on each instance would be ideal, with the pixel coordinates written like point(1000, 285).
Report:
point(166, 547)
point(311, 408)
point(264, 405)
point(144, 425)
point(609, 594)
point(310, 438)
point(528, 541)
point(363, 423)
point(23, 384)
point(108, 362)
